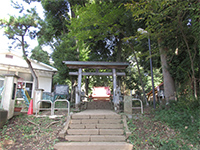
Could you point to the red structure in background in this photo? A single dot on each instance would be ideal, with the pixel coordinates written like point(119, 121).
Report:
point(101, 93)
point(159, 92)
point(20, 83)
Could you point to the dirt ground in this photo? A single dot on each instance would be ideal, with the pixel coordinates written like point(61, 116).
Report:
point(25, 132)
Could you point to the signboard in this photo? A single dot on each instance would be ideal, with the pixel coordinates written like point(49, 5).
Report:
point(61, 90)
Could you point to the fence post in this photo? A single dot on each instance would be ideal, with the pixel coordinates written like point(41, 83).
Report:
point(37, 96)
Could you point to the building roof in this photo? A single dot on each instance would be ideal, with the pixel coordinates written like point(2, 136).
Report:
point(13, 60)
point(155, 88)
point(96, 64)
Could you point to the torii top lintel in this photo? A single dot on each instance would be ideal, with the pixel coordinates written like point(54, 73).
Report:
point(96, 64)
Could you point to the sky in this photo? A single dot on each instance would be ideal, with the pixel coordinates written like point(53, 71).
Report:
point(5, 10)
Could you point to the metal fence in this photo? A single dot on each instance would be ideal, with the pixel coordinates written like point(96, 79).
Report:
point(141, 105)
point(53, 104)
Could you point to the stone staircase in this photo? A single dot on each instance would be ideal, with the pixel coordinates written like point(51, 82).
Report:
point(95, 130)
point(99, 105)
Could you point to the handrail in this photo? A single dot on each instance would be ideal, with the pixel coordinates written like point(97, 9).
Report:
point(62, 100)
point(141, 105)
point(52, 106)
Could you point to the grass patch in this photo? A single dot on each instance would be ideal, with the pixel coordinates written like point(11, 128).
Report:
point(165, 129)
point(184, 120)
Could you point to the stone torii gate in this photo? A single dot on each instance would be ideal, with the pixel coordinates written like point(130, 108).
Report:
point(96, 65)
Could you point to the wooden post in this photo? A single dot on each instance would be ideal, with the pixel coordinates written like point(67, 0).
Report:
point(114, 85)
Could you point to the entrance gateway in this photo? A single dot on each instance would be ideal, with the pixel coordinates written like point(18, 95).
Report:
point(80, 65)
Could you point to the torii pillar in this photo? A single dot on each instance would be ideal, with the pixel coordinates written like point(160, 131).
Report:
point(78, 91)
point(115, 100)
point(97, 65)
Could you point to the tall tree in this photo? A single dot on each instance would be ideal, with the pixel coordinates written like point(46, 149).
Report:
point(98, 23)
point(17, 28)
point(102, 25)
point(169, 23)
point(66, 50)
point(40, 55)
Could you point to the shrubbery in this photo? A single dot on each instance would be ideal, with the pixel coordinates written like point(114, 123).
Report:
point(184, 116)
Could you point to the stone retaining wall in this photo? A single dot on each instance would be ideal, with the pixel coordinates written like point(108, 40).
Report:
point(3, 117)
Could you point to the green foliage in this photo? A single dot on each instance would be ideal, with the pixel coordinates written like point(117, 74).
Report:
point(15, 27)
point(4, 129)
point(65, 51)
point(133, 76)
point(131, 126)
point(40, 55)
point(56, 19)
point(177, 25)
point(183, 118)
point(94, 21)
point(25, 129)
point(100, 25)
point(150, 133)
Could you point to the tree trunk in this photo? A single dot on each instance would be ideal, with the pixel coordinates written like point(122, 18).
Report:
point(119, 49)
point(169, 86)
point(118, 59)
point(191, 62)
point(29, 64)
point(198, 81)
point(141, 82)
point(138, 67)
point(73, 15)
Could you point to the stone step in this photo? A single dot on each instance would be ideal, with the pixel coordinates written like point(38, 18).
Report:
point(100, 121)
point(109, 126)
point(109, 121)
point(96, 126)
point(95, 131)
point(97, 116)
point(107, 138)
point(111, 131)
point(82, 131)
point(99, 105)
point(93, 146)
point(95, 138)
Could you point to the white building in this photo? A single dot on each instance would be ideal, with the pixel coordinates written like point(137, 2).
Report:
point(12, 63)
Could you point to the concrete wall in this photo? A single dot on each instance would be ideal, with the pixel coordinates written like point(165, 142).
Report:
point(3, 117)
point(45, 83)
point(8, 97)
